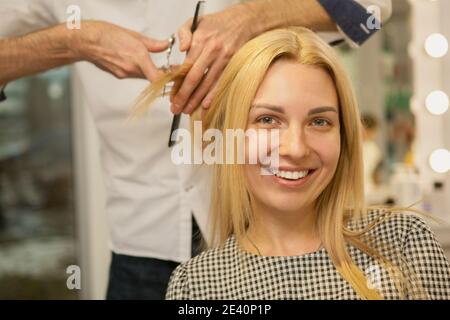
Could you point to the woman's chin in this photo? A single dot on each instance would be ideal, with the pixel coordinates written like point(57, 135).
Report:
point(286, 204)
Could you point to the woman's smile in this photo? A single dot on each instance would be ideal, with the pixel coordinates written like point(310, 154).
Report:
point(290, 178)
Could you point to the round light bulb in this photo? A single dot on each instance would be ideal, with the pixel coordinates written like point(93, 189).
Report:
point(440, 160)
point(437, 102)
point(436, 45)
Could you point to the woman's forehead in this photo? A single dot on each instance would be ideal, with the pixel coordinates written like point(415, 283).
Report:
point(288, 83)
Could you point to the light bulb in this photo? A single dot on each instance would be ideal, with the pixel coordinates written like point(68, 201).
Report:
point(440, 160)
point(436, 45)
point(437, 102)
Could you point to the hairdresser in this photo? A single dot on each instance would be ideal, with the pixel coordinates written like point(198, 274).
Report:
point(154, 206)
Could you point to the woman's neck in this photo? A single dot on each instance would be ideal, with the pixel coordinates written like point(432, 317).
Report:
point(282, 233)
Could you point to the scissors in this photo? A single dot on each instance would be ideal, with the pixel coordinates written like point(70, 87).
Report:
point(166, 68)
point(176, 118)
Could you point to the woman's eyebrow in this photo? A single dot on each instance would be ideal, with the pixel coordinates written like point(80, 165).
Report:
point(281, 110)
point(268, 106)
point(321, 109)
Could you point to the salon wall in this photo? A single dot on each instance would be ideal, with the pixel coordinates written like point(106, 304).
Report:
point(433, 131)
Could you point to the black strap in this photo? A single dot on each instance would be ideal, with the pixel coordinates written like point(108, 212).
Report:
point(336, 42)
point(2, 94)
point(198, 242)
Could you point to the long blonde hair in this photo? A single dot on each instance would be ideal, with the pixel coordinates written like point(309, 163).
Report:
point(343, 197)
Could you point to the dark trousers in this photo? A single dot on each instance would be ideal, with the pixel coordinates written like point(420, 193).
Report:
point(144, 278)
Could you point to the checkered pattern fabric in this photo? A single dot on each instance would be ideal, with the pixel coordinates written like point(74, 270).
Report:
point(229, 272)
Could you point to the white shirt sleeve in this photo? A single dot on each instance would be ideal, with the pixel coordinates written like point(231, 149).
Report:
point(19, 17)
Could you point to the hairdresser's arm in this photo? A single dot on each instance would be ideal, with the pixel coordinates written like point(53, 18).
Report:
point(221, 34)
point(122, 52)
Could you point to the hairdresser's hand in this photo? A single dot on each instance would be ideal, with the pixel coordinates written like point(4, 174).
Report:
point(119, 51)
point(217, 38)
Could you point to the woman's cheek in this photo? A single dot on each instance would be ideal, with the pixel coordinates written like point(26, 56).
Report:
point(334, 150)
point(261, 146)
point(328, 147)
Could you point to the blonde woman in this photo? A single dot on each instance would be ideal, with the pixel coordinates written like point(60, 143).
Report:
point(302, 232)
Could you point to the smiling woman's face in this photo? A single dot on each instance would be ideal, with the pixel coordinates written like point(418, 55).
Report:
point(301, 101)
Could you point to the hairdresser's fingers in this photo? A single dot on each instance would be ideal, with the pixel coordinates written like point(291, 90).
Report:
point(112, 69)
point(154, 45)
point(121, 68)
point(185, 36)
point(205, 86)
point(207, 101)
point(202, 114)
point(193, 79)
point(145, 63)
point(176, 86)
point(148, 68)
point(137, 66)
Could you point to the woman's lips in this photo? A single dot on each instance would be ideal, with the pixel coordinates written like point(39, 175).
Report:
point(291, 183)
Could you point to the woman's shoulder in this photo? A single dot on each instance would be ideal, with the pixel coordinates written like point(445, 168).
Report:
point(408, 242)
point(396, 220)
point(208, 263)
point(214, 256)
point(393, 227)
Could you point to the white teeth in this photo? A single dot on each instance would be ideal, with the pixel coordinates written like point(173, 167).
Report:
point(291, 175)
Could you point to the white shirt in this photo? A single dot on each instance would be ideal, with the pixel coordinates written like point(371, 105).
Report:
point(149, 199)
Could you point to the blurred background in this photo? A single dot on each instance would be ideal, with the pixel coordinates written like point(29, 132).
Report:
point(51, 190)
point(37, 216)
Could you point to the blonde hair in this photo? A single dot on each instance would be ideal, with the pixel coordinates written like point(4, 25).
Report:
point(341, 200)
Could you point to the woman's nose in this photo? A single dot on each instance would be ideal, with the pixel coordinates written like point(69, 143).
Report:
point(293, 143)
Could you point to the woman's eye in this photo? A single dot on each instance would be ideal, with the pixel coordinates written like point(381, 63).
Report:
point(267, 120)
point(321, 122)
